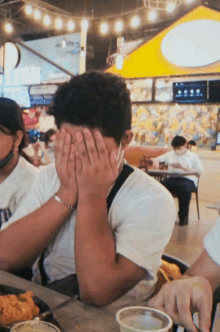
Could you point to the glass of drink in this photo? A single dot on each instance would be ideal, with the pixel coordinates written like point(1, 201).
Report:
point(140, 319)
point(34, 326)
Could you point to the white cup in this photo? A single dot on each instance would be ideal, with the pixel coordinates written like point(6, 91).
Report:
point(34, 326)
point(140, 319)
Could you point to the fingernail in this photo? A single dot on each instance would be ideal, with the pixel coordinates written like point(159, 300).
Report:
point(98, 134)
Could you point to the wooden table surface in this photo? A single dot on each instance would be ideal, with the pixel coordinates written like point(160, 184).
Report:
point(76, 317)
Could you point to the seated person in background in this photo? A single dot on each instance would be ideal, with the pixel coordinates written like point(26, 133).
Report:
point(180, 160)
point(16, 173)
point(191, 145)
point(111, 252)
point(193, 292)
point(47, 146)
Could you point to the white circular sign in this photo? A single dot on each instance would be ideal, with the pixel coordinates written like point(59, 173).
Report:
point(11, 55)
point(193, 44)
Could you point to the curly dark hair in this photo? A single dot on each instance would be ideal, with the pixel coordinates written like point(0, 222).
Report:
point(97, 100)
point(178, 141)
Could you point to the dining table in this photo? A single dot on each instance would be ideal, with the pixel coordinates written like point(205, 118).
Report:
point(75, 317)
point(161, 174)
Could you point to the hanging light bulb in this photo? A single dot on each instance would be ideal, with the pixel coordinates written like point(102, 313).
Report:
point(47, 20)
point(170, 7)
point(104, 28)
point(119, 26)
point(70, 25)
point(119, 62)
point(28, 10)
point(8, 27)
point(85, 25)
point(58, 23)
point(37, 14)
point(135, 22)
point(152, 15)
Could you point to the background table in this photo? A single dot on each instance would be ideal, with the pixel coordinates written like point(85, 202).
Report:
point(160, 174)
point(76, 317)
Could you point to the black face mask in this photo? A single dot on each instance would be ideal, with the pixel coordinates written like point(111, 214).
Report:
point(7, 159)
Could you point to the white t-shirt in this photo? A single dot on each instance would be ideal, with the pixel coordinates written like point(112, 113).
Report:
point(188, 159)
point(141, 216)
point(212, 242)
point(14, 188)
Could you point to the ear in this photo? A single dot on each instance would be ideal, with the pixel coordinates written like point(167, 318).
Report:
point(126, 138)
point(18, 138)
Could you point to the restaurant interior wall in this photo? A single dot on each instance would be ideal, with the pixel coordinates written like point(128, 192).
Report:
point(157, 119)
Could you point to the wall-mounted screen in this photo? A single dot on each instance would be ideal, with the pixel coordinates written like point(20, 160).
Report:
point(190, 92)
point(214, 91)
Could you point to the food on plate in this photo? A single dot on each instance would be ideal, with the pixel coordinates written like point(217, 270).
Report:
point(17, 308)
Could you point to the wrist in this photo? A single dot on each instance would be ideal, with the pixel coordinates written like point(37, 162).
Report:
point(67, 196)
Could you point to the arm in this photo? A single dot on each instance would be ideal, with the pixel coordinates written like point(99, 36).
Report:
point(192, 292)
point(48, 161)
point(31, 234)
point(103, 275)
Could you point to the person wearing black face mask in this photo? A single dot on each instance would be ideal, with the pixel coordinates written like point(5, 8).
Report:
point(181, 160)
point(16, 173)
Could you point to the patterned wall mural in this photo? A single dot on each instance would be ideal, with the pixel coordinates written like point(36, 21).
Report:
point(157, 124)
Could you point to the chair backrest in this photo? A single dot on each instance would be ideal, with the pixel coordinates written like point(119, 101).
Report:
point(133, 154)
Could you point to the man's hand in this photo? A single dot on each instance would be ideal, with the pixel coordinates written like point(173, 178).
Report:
point(66, 167)
point(181, 297)
point(95, 169)
point(178, 166)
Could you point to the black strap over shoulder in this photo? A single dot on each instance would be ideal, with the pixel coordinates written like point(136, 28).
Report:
point(126, 171)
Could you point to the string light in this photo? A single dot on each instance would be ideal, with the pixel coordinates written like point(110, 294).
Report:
point(47, 20)
point(8, 27)
point(70, 25)
point(189, 1)
point(58, 23)
point(119, 26)
point(104, 28)
point(28, 10)
point(85, 25)
point(170, 7)
point(37, 14)
point(152, 15)
point(135, 22)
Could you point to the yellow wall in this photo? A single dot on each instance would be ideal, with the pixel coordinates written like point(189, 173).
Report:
point(148, 60)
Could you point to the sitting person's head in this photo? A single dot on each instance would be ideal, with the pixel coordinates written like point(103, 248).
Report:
point(191, 144)
point(179, 145)
point(49, 139)
point(98, 101)
point(12, 132)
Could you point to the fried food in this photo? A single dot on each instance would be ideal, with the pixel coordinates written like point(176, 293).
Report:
point(17, 308)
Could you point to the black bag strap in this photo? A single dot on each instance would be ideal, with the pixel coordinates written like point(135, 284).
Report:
point(126, 171)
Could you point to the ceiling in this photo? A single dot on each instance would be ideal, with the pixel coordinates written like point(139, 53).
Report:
point(27, 29)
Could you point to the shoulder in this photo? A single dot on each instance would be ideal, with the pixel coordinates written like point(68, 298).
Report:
point(27, 167)
point(143, 191)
